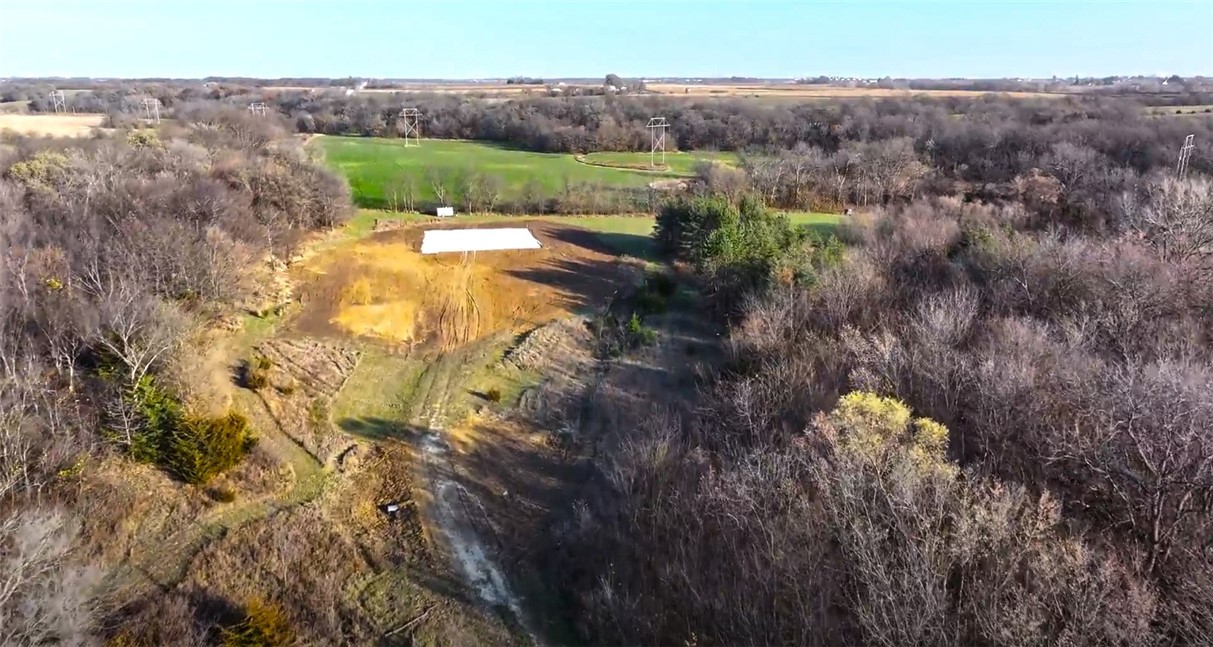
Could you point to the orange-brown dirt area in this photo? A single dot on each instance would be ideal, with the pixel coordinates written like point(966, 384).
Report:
point(382, 288)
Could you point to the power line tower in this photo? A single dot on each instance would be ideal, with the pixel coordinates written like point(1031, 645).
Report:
point(411, 118)
point(1185, 155)
point(59, 101)
point(657, 127)
point(151, 110)
point(258, 108)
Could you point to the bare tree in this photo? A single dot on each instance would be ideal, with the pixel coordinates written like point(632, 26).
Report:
point(44, 599)
point(1175, 215)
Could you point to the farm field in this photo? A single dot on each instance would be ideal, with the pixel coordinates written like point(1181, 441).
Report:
point(679, 163)
point(51, 125)
point(793, 91)
point(378, 167)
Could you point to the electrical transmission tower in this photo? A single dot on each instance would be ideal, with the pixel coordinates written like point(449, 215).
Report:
point(151, 110)
point(257, 108)
point(657, 127)
point(1185, 155)
point(411, 118)
point(59, 101)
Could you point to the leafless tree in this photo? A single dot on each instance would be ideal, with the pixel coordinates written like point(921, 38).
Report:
point(44, 598)
point(1175, 215)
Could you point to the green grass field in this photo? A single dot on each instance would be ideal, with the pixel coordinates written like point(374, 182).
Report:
point(379, 169)
point(680, 163)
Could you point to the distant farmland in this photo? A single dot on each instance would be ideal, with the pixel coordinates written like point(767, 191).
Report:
point(380, 171)
point(51, 125)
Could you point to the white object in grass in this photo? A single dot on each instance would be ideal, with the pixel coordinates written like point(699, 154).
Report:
point(438, 241)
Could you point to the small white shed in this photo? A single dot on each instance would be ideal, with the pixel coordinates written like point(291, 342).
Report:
point(444, 212)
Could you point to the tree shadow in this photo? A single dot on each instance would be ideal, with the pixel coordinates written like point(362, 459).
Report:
point(611, 243)
point(374, 428)
point(580, 285)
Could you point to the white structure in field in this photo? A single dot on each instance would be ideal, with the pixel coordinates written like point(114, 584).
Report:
point(438, 241)
point(444, 212)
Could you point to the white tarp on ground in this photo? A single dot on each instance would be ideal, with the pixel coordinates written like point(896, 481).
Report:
point(438, 241)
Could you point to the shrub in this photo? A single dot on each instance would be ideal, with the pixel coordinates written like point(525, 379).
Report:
point(264, 625)
point(223, 494)
point(493, 395)
point(640, 334)
point(202, 448)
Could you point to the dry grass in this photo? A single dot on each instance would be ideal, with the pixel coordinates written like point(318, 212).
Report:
point(437, 88)
point(382, 288)
point(51, 125)
point(793, 91)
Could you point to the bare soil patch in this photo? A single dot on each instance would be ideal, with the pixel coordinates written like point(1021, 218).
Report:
point(381, 288)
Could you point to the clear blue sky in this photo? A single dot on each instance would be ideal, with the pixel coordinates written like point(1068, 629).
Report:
point(453, 39)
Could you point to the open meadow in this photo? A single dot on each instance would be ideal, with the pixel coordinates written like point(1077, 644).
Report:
point(383, 170)
point(51, 125)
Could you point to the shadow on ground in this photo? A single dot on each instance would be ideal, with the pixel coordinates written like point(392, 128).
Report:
point(608, 242)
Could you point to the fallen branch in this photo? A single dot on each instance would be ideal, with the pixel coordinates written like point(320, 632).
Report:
point(410, 623)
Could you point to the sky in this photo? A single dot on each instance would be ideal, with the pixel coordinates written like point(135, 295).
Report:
point(571, 38)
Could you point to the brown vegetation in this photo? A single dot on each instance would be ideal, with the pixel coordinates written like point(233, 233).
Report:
point(382, 288)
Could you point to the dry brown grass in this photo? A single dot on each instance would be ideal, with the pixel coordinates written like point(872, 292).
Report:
point(437, 88)
point(51, 125)
point(792, 91)
point(382, 288)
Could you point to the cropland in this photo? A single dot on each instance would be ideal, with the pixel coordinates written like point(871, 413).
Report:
point(51, 125)
point(383, 170)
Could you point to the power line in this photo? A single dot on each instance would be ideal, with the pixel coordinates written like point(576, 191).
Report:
point(657, 128)
point(59, 101)
point(411, 118)
point(1185, 155)
point(151, 109)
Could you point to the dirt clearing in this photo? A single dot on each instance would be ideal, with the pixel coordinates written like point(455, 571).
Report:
point(382, 288)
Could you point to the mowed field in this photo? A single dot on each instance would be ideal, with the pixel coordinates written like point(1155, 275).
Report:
point(51, 125)
point(678, 163)
point(377, 168)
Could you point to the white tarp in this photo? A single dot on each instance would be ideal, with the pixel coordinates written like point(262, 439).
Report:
point(438, 241)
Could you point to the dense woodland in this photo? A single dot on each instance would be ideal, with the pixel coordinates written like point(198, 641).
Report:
point(982, 416)
point(983, 423)
point(113, 253)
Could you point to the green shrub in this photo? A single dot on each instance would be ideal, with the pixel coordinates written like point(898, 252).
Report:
point(493, 395)
point(157, 413)
point(640, 334)
point(202, 448)
point(224, 494)
point(263, 363)
point(264, 625)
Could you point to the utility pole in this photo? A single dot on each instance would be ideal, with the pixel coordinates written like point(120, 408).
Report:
point(1185, 155)
point(151, 110)
point(59, 101)
point(411, 117)
point(657, 128)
